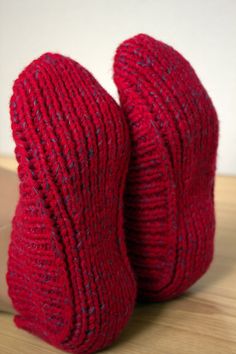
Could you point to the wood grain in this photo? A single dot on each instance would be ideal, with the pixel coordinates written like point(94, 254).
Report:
point(203, 321)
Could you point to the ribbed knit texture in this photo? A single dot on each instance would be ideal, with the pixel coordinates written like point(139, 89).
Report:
point(68, 273)
point(169, 204)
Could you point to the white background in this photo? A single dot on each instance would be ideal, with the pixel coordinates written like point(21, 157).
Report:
point(89, 31)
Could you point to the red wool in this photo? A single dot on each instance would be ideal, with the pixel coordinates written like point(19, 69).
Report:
point(69, 276)
point(169, 204)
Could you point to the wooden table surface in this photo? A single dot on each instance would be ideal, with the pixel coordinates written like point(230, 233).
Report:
point(203, 321)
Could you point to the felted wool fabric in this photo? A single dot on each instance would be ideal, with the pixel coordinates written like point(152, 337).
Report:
point(169, 203)
point(69, 276)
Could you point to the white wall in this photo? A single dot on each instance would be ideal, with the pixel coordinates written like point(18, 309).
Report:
point(204, 31)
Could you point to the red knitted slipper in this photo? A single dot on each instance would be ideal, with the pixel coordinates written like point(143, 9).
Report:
point(169, 207)
point(68, 274)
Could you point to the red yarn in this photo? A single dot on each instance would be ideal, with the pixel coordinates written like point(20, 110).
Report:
point(68, 273)
point(169, 205)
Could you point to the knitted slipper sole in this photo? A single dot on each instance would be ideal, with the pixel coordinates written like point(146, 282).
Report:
point(169, 206)
point(68, 273)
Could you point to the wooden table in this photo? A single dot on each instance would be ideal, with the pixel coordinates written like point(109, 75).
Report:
point(203, 321)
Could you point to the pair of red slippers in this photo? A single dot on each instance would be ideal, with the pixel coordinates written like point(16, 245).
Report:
point(110, 196)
